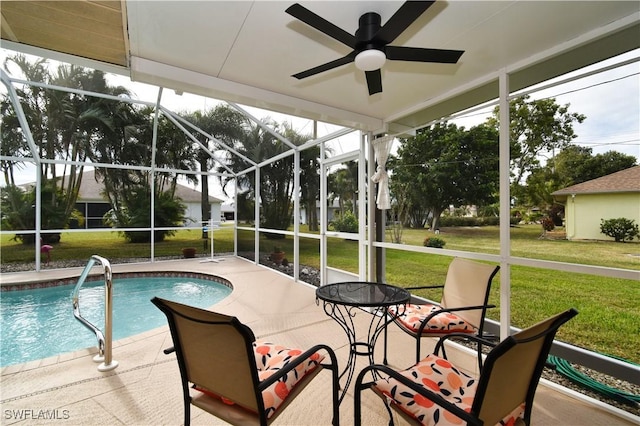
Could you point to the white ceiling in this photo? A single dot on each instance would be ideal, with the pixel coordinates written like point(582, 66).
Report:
point(246, 52)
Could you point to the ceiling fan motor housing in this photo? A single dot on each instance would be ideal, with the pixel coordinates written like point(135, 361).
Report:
point(368, 26)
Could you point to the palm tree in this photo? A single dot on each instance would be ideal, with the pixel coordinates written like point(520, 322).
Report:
point(343, 185)
point(63, 126)
point(224, 124)
point(80, 121)
point(174, 151)
point(13, 141)
point(276, 186)
point(32, 102)
point(310, 184)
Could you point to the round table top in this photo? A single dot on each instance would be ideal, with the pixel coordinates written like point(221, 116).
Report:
point(362, 293)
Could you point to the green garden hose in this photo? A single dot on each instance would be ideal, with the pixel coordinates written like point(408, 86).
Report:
point(564, 368)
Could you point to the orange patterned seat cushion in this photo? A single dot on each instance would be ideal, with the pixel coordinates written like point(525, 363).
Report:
point(440, 376)
point(446, 322)
point(270, 358)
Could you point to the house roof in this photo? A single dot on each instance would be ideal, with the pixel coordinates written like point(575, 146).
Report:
point(247, 51)
point(91, 189)
point(627, 180)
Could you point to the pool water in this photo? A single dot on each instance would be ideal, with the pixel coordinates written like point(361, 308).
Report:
point(39, 323)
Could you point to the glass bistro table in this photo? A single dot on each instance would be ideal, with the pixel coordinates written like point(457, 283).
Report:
point(341, 301)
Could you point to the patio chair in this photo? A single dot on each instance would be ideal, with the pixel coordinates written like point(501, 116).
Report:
point(462, 308)
point(225, 372)
point(434, 391)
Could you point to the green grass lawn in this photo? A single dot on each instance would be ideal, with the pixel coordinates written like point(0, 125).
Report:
point(75, 245)
point(609, 319)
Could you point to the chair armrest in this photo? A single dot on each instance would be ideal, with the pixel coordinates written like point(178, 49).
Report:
point(300, 359)
point(419, 389)
point(440, 345)
point(472, 337)
point(465, 308)
point(424, 287)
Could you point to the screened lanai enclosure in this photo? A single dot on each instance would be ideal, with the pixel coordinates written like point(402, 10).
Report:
point(441, 61)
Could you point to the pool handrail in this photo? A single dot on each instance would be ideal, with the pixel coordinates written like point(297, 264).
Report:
point(104, 340)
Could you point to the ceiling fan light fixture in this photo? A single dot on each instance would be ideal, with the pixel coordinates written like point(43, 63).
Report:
point(370, 60)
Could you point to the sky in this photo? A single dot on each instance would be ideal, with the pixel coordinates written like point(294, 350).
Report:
point(609, 100)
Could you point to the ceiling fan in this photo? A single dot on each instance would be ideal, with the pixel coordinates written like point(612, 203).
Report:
point(371, 41)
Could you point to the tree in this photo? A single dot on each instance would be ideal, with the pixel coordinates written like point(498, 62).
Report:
point(18, 212)
point(310, 184)
point(134, 212)
point(537, 127)
point(309, 175)
point(63, 125)
point(13, 141)
point(129, 141)
point(410, 211)
point(571, 166)
point(245, 207)
point(541, 183)
point(226, 125)
point(126, 141)
point(610, 162)
point(399, 209)
point(276, 178)
point(342, 184)
point(173, 151)
point(575, 164)
point(32, 101)
point(445, 165)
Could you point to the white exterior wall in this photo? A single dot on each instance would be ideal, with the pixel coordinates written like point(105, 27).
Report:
point(194, 213)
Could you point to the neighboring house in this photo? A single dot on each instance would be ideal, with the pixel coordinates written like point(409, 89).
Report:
point(608, 197)
point(333, 210)
point(227, 212)
point(93, 205)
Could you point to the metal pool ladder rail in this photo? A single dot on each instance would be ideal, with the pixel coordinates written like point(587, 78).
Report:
point(104, 340)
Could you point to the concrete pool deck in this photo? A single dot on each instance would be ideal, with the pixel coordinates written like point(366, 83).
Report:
point(145, 388)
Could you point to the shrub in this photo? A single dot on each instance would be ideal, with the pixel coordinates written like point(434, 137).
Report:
point(18, 213)
point(346, 223)
point(488, 221)
point(434, 242)
point(556, 212)
point(547, 223)
point(533, 217)
point(448, 221)
point(135, 213)
point(621, 229)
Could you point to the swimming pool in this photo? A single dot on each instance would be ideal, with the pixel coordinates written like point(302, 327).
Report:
point(39, 323)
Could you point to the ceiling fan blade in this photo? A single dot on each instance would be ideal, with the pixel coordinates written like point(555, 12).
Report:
point(326, 67)
point(408, 12)
point(319, 23)
point(418, 54)
point(374, 81)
